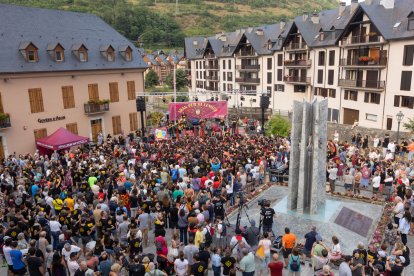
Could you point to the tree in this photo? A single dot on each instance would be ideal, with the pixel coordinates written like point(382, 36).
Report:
point(151, 79)
point(278, 125)
point(154, 118)
point(409, 125)
point(181, 79)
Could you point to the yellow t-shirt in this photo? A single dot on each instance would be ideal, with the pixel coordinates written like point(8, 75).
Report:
point(199, 238)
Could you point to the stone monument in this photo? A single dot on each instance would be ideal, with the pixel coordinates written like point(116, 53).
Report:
point(307, 166)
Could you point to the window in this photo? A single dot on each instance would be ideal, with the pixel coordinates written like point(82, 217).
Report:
point(408, 55)
point(371, 117)
point(331, 93)
point(224, 76)
point(197, 65)
point(406, 80)
point(330, 77)
point(229, 76)
point(110, 54)
point(372, 98)
point(333, 115)
point(113, 92)
point(321, 36)
point(40, 133)
point(323, 92)
point(83, 56)
point(116, 125)
point(320, 76)
point(229, 64)
point(299, 88)
point(128, 54)
point(410, 24)
point(279, 74)
point(269, 91)
point(36, 100)
point(269, 77)
point(59, 55)
point(224, 64)
point(73, 127)
point(29, 51)
point(269, 63)
point(279, 59)
point(332, 58)
point(351, 95)
point(68, 97)
point(131, 90)
point(31, 56)
point(397, 100)
point(133, 121)
point(407, 102)
point(280, 87)
point(224, 87)
point(93, 92)
point(321, 60)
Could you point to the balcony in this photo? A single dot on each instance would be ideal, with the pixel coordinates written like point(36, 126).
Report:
point(212, 67)
point(5, 121)
point(245, 54)
point(298, 63)
point(368, 39)
point(296, 46)
point(364, 62)
point(370, 85)
point(210, 56)
point(212, 78)
point(96, 107)
point(248, 67)
point(297, 79)
point(248, 80)
point(211, 88)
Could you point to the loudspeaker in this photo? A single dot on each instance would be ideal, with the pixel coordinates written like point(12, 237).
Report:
point(141, 106)
point(264, 102)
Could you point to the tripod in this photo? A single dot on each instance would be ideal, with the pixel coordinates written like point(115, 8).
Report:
point(242, 206)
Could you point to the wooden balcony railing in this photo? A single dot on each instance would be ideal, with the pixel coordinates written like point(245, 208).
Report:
point(297, 79)
point(248, 80)
point(373, 84)
point(212, 67)
point(248, 67)
point(296, 46)
point(362, 61)
point(362, 39)
point(92, 108)
point(306, 63)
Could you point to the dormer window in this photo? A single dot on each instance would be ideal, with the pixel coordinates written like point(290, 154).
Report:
point(108, 52)
point(81, 52)
point(126, 52)
point(56, 51)
point(410, 25)
point(321, 36)
point(29, 51)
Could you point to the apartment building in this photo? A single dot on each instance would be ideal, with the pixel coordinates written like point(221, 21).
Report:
point(359, 57)
point(64, 69)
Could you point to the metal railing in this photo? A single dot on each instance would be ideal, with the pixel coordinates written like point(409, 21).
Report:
point(361, 62)
point(306, 63)
point(298, 79)
point(213, 78)
point(91, 108)
point(362, 39)
point(362, 83)
point(253, 67)
point(296, 46)
point(245, 54)
point(212, 66)
point(248, 80)
point(210, 56)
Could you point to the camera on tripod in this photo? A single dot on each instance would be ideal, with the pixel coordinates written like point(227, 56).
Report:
point(241, 198)
point(263, 202)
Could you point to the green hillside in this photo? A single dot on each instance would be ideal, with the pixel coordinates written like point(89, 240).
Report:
point(163, 24)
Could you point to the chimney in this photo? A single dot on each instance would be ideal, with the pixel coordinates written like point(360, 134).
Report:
point(259, 32)
point(387, 4)
point(282, 24)
point(223, 38)
point(315, 18)
point(368, 2)
point(304, 16)
point(342, 6)
point(354, 5)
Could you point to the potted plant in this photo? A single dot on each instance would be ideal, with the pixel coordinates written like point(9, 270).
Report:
point(4, 116)
point(363, 59)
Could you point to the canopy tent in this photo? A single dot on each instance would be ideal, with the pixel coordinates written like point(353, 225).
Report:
point(61, 139)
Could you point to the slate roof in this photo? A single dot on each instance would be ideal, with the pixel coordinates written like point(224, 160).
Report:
point(44, 27)
point(152, 59)
point(194, 47)
point(385, 19)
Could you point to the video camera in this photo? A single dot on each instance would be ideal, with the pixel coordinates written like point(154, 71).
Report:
point(263, 202)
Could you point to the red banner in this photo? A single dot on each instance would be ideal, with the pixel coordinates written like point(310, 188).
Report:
point(198, 110)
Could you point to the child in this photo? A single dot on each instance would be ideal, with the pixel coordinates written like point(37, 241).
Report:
point(390, 236)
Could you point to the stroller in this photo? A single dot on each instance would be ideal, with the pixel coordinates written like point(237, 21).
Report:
point(276, 245)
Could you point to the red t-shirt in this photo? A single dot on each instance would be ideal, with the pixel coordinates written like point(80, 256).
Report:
point(276, 268)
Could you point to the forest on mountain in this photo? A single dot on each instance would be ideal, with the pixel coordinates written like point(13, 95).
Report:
point(156, 24)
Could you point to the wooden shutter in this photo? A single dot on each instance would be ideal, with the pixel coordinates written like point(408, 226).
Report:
point(131, 90)
point(406, 80)
point(68, 97)
point(116, 125)
point(72, 127)
point(133, 121)
point(93, 92)
point(113, 92)
point(397, 101)
point(36, 100)
point(330, 77)
point(40, 133)
point(1, 104)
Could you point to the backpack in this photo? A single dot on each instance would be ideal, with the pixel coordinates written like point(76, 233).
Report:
point(208, 238)
point(223, 229)
point(295, 264)
point(158, 246)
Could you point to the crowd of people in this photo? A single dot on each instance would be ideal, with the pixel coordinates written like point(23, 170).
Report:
point(139, 207)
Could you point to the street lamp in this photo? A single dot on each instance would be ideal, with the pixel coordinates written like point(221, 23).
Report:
point(400, 117)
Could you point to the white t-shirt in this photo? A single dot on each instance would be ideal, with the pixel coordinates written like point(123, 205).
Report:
point(376, 142)
point(181, 267)
point(376, 181)
point(266, 245)
point(66, 254)
point(54, 226)
point(229, 188)
point(72, 267)
point(6, 251)
point(336, 248)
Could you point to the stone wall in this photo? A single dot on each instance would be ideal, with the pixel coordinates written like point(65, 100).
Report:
point(346, 131)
